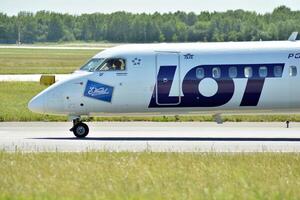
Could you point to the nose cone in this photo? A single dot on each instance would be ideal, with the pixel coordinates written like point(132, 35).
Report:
point(37, 104)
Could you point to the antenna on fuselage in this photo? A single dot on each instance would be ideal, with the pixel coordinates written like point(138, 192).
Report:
point(293, 36)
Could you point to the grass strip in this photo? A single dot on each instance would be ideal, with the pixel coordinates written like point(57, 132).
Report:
point(147, 175)
point(42, 61)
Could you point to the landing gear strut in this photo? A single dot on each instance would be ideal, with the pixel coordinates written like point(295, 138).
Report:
point(287, 124)
point(218, 118)
point(80, 129)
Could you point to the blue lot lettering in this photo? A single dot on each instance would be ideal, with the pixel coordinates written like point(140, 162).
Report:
point(294, 55)
point(190, 86)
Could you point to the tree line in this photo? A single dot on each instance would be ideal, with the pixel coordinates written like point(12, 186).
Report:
point(233, 25)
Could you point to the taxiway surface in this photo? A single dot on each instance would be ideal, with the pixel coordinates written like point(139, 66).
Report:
point(152, 136)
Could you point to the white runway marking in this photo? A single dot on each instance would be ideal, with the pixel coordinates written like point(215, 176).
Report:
point(152, 136)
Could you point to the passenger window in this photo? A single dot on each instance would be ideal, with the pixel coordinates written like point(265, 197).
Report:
point(278, 71)
point(200, 73)
point(216, 72)
point(263, 71)
point(293, 71)
point(113, 64)
point(232, 72)
point(248, 72)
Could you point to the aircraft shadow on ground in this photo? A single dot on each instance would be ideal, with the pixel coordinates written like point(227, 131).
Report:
point(191, 139)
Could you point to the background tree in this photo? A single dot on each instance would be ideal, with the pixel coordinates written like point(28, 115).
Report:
point(233, 25)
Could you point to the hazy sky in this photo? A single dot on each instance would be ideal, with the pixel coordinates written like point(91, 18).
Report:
point(12, 7)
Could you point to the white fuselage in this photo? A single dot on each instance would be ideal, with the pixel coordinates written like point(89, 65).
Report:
point(182, 78)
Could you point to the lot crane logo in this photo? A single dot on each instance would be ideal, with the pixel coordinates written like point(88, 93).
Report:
point(98, 91)
point(188, 56)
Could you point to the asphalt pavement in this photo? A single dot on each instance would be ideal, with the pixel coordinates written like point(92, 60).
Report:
point(151, 136)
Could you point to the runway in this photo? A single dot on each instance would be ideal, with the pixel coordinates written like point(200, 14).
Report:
point(151, 136)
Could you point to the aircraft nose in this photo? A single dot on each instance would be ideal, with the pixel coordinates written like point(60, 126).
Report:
point(36, 104)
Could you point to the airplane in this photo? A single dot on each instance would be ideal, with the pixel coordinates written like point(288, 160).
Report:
point(185, 78)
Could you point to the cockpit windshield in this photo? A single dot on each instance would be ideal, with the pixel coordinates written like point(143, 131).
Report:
point(113, 64)
point(92, 64)
point(101, 64)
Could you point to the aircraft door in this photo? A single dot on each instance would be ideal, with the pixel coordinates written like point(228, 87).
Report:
point(168, 83)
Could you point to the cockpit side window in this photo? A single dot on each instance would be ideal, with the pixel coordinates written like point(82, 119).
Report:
point(113, 64)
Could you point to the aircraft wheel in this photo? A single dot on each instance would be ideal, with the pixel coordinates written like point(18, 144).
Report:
point(80, 130)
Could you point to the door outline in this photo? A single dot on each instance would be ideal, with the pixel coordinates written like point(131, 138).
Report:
point(179, 77)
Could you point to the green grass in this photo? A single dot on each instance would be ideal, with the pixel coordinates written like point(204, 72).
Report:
point(98, 44)
point(16, 95)
point(42, 61)
point(14, 99)
point(104, 175)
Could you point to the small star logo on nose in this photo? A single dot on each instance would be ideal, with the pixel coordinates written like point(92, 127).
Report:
point(136, 61)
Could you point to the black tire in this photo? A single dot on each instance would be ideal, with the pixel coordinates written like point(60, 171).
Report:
point(80, 130)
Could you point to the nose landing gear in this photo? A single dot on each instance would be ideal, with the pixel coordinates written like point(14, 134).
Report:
point(80, 129)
